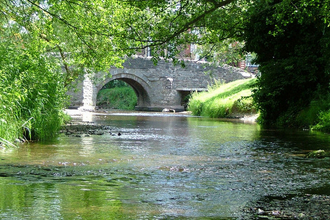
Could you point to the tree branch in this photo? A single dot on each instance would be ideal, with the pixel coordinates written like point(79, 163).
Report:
point(189, 24)
point(53, 15)
point(66, 67)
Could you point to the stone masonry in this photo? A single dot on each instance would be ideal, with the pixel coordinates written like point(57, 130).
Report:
point(157, 87)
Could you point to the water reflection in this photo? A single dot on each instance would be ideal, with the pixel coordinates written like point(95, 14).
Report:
point(161, 167)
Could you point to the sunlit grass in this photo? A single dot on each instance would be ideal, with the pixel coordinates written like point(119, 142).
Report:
point(224, 100)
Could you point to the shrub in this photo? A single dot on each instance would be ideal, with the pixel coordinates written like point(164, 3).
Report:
point(117, 98)
point(323, 122)
point(244, 104)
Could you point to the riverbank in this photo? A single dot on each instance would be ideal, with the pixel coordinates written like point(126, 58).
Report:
point(225, 100)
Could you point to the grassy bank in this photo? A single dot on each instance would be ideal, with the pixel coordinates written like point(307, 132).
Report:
point(224, 100)
point(234, 99)
point(117, 98)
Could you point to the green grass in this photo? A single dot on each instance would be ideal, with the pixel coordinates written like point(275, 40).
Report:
point(224, 100)
point(117, 98)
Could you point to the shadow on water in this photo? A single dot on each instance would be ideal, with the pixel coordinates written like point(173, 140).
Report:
point(162, 166)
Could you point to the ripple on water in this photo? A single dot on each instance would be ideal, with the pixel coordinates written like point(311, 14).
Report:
point(160, 167)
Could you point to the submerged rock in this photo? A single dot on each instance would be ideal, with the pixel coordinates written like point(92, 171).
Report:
point(83, 130)
point(99, 133)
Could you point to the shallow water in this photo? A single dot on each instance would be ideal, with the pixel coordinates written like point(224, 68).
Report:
point(163, 166)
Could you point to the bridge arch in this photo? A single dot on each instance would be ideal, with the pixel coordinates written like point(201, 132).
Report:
point(154, 93)
point(140, 87)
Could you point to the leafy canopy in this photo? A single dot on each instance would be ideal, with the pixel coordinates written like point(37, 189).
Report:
point(291, 40)
point(172, 25)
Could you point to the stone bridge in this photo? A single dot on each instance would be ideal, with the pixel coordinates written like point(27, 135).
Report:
point(156, 87)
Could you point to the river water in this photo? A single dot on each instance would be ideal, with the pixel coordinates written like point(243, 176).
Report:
point(162, 166)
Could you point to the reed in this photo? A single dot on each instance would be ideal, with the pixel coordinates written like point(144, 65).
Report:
point(32, 95)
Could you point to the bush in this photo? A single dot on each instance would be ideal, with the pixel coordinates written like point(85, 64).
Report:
point(324, 122)
point(117, 98)
point(244, 104)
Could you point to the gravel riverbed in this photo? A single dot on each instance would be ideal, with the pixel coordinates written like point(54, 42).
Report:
point(308, 206)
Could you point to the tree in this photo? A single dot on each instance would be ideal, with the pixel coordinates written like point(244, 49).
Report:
point(86, 34)
point(291, 40)
point(37, 39)
point(100, 33)
point(228, 51)
point(168, 26)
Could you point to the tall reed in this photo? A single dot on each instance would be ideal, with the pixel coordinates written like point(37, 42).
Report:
point(32, 93)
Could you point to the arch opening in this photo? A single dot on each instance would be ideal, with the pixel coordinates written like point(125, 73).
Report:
point(116, 94)
point(139, 90)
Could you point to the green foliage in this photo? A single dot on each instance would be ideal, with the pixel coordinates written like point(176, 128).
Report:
point(323, 122)
point(40, 39)
point(319, 114)
point(293, 54)
point(310, 115)
point(114, 84)
point(244, 104)
point(167, 26)
point(223, 100)
point(85, 36)
point(117, 98)
point(228, 52)
point(32, 91)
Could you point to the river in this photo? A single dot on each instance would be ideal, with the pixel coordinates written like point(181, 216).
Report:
point(162, 166)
